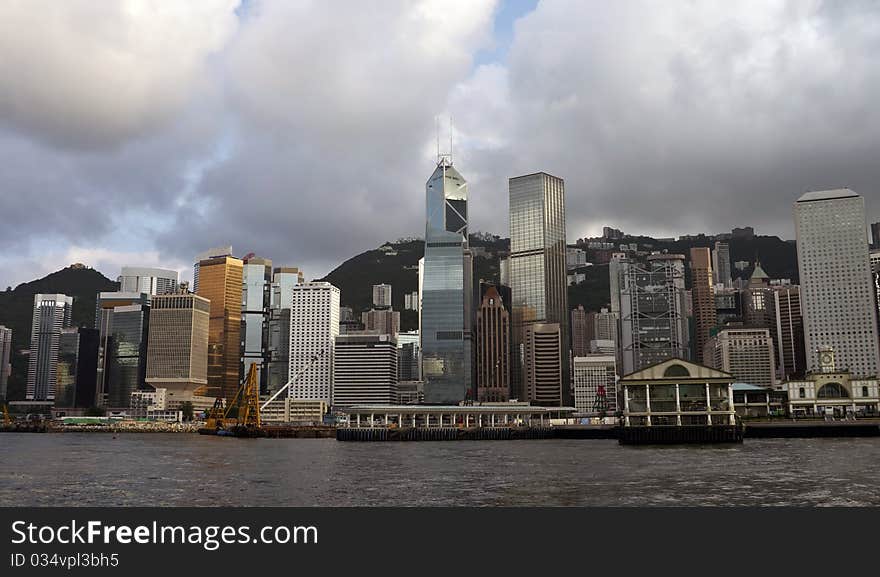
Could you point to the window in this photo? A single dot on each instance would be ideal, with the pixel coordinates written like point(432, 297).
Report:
point(864, 391)
point(802, 393)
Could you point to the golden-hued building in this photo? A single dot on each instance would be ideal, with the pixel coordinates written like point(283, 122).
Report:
point(220, 281)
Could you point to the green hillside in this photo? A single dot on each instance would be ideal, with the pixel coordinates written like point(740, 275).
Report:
point(17, 305)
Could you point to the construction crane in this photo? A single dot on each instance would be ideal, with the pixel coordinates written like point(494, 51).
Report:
point(247, 422)
point(7, 420)
point(311, 363)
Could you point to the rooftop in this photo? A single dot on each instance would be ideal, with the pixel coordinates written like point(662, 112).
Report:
point(827, 194)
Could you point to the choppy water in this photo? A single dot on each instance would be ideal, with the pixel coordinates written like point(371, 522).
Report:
point(176, 469)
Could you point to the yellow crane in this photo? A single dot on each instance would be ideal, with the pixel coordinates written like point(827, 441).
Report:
point(247, 422)
point(7, 420)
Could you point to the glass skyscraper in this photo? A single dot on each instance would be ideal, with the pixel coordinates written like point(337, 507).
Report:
point(538, 281)
point(446, 285)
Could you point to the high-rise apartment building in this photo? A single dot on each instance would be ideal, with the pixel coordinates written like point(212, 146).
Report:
point(256, 301)
point(581, 331)
point(210, 253)
point(653, 305)
point(381, 321)
point(721, 269)
point(177, 348)
point(493, 348)
point(5, 359)
point(538, 282)
point(543, 364)
point(789, 341)
point(703, 296)
point(446, 283)
point(595, 383)
point(152, 281)
point(364, 370)
point(382, 296)
point(52, 313)
point(283, 281)
point(746, 353)
point(836, 290)
point(220, 281)
point(314, 324)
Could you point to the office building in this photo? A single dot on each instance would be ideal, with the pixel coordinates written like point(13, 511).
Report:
point(256, 302)
point(208, 254)
point(595, 383)
point(381, 296)
point(348, 323)
point(5, 359)
point(123, 325)
point(283, 281)
point(77, 384)
point(381, 321)
point(220, 281)
point(314, 324)
point(703, 298)
point(728, 305)
point(446, 283)
point(177, 347)
point(837, 299)
point(745, 353)
point(543, 364)
point(493, 348)
point(152, 281)
point(653, 317)
point(52, 313)
point(875, 235)
point(411, 301)
point(604, 325)
point(789, 341)
point(364, 370)
point(721, 269)
point(538, 272)
point(581, 331)
point(409, 356)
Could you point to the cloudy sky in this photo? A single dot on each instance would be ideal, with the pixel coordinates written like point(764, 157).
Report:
point(143, 133)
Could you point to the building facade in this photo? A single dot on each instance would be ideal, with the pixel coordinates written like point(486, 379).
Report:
point(595, 383)
point(52, 313)
point(830, 391)
point(5, 359)
point(653, 311)
point(721, 270)
point(208, 254)
point(256, 302)
point(836, 290)
point(381, 321)
point(382, 296)
point(177, 347)
point(493, 348)
point(364, 370)
point(446, 284)
point(314, 324)
point(581, 331)
point(152, 281)
point(283, 281)
point(703, 298)
point(220, 281)
point(791, 356)
point(538, 282)
point(746, 353)
point(543, 363)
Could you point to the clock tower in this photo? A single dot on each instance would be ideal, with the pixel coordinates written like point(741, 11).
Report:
point(826, 359)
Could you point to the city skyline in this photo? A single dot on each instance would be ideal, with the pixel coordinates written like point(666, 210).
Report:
point(187, 145)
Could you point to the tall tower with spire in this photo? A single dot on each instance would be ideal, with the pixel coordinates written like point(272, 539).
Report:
point(447, 286)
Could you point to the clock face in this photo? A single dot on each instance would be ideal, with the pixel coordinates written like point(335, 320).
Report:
point(826, 359)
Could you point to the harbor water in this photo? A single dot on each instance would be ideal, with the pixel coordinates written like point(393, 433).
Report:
point(131, 469)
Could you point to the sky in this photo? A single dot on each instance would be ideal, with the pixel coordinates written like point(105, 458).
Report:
point(143, 133)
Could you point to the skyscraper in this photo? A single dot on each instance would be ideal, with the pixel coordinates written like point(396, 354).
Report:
point(581, 331)
point(364, 370)
point(123, 324)
point(210, 253)
point(836, 290)
point(314, 324)
point(77, 368)
point(493, 348)
point(256, 297)
point(653, 320)
point(152, 281)
point(52, 313)
point(5, 359)
point(542, 360)
point(283, 281)
point(703, 299)
point(446, 282)
point(595, 384)
point(721, 264)
point(381, 321)
point(875, 235)
point(220, 281)
point(789, 343)
point(537, 271)
point(177, 349)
